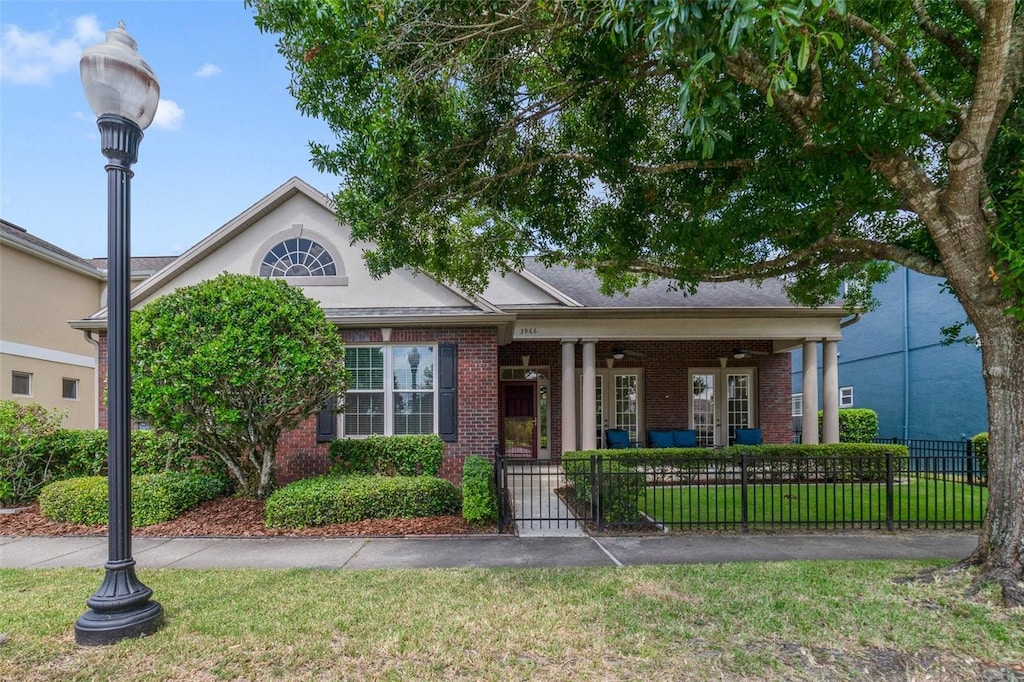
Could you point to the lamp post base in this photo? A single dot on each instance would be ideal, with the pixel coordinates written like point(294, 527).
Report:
point(120, 609)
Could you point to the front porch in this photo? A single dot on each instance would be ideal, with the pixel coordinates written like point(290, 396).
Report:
point(562, 395)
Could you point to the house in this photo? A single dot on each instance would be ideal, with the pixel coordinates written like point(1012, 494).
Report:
point(893, 362)
point(42, 360)
point(539, 364)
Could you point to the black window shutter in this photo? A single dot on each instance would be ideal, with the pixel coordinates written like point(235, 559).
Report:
point(447, 392)
point(326, 423)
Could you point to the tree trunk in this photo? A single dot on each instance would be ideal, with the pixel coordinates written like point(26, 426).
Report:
point(1001, 544)
point(266, 484)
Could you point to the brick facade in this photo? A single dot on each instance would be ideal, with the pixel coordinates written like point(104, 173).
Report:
point(666, 390)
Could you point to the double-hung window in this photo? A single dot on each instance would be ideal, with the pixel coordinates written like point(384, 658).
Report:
point(391, 391)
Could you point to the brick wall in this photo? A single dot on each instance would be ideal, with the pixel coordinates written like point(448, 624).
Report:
point(299, 455)
point(666, 390)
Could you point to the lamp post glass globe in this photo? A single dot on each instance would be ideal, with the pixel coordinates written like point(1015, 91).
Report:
point(124, 93)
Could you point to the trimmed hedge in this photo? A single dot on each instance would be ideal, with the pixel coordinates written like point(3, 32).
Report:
point(624, 471)
point(155, 497)
point(479, 493)
point(418, 455)
point(337, 499)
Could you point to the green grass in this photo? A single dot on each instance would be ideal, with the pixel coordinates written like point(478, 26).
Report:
point(736, 621)
point(920, 502)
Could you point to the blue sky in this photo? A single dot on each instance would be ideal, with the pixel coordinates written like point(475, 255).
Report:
point(227, 132)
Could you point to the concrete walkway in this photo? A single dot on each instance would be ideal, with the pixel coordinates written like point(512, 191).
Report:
point(485, 551)
point(538, 510)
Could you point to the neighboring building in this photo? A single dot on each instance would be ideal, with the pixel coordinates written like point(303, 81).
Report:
point(42, 360)
point(893, 362)
point(541, 363)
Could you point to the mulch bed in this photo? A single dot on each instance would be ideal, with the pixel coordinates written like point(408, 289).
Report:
point(240, 517)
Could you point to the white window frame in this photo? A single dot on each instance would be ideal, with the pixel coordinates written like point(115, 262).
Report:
point(389, 389)
point(797, 404)
point(846, 396)
point(27, 376)
point(69, 381)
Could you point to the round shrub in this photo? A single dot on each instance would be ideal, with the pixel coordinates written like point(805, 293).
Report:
point(337, 499)
point(155, 497)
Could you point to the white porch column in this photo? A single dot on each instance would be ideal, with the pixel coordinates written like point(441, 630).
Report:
point(830, 392)
point(810, 389)
point(588, 401)
point(568, 395)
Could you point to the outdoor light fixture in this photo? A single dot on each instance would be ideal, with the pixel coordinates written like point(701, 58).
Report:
point(618, 353)
point(740, 354)
point(123, 93)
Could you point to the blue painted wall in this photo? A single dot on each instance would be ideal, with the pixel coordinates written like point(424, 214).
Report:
point(894, 360)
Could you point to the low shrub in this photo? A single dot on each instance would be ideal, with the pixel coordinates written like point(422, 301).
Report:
point(622, 483)
point(155, 497)
point(479, 493)
point(338, 499)
point(83, 452)
point(418, 455)
point(26, 464)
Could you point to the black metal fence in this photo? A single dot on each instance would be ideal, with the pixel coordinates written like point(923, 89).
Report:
point(936, 486)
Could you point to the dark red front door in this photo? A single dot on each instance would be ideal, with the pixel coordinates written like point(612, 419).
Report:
point(519, 419)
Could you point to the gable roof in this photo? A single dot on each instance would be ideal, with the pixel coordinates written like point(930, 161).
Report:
point(170, 268)
point(140, 265)
point(18, 237)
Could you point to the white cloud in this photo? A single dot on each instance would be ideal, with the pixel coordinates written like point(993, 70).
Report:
point(36, 58)
point(168, 115)
point(207, 70)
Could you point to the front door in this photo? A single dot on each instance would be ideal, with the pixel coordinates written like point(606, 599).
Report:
point(519, 419)
point(721, 401)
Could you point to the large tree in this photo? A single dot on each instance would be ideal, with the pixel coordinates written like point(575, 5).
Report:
point(817, 140)
point(231, 363)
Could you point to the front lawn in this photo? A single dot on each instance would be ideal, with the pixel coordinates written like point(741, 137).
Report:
point(794, 620)
point(921, 502)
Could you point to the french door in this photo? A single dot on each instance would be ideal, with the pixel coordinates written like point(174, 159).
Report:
point(721, 401)
point(618, 402)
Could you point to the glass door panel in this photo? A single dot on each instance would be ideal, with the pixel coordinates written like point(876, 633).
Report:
point(702, 407)
point(627, 410)
point(738, 409)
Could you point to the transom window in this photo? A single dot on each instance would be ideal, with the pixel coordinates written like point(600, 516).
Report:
point(298, 257)
point(392, 391)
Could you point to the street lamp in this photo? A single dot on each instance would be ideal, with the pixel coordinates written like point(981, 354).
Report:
point(123, 93)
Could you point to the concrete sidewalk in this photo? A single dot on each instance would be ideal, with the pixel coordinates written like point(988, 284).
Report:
point(483, 551)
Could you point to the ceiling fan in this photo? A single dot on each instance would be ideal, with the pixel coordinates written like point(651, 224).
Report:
point(742, 353)
point(619, 353)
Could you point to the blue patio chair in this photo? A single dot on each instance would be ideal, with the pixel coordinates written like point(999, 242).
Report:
point(617, 439)
point(748, 437)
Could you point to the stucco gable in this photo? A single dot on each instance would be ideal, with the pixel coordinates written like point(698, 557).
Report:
point(295, 209)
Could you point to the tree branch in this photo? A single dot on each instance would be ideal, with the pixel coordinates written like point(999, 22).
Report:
point(968, 152)
point(974, 9)
point(908, 65)
point(944, 36)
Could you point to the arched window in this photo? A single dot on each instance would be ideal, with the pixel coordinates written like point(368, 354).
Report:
point(298, 257)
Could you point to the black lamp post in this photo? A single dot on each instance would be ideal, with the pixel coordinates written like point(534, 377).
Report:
point(123, 93)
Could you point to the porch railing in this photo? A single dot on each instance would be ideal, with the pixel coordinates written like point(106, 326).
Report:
point(933, 487)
